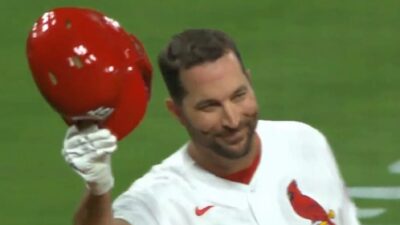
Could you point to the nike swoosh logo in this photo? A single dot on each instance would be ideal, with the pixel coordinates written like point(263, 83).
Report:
point(202, 211)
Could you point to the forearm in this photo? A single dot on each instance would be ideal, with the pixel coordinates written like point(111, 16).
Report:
point(88, 151)
point(94, 210)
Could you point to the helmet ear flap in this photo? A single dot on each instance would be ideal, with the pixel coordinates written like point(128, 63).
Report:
point(87, 68)
point(143, 63)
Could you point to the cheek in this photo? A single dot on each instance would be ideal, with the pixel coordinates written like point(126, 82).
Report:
point(250, 106)
point(204, 122)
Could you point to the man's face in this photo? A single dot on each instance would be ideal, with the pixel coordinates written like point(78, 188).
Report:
point(220, 109)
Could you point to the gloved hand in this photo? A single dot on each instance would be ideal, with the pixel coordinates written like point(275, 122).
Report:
point(88, 152)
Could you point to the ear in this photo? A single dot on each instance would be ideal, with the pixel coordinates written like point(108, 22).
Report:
point(174, 109)
point(248, 73)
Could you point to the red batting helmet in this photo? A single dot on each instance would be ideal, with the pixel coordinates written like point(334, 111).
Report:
point(87, 67)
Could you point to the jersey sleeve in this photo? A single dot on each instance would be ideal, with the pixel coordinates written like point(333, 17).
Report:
point(136, 209)
point(347, 209)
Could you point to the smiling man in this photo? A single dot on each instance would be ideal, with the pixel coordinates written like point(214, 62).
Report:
point(235, 169)
point(219, 111)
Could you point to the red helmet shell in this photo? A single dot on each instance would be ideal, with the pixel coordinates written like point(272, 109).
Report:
point(83, 61)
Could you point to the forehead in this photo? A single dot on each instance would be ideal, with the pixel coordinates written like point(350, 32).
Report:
point(217, 79)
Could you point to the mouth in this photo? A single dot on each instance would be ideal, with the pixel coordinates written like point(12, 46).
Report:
point(233, 138)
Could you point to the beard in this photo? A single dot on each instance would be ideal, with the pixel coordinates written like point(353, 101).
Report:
point(225, 150)
point(215, 140)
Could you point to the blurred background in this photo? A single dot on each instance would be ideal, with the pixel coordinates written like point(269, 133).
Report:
point(332, 64)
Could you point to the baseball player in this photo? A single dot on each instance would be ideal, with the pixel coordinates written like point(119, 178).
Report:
point(234, 169)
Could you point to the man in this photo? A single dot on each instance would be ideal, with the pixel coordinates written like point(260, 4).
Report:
point(235, 169)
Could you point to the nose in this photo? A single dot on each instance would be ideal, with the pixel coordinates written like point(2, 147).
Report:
point(231, 116)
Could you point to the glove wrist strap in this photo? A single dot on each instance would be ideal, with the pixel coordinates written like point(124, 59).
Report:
point(100, 187)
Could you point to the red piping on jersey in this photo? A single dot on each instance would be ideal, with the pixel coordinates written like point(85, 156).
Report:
point(244, 176)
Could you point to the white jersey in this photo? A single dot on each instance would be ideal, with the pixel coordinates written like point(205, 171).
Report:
point(179, 192)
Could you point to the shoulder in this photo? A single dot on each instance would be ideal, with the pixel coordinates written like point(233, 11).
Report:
point(162, 179)
point(293, 128)
point(143, 200)
point(294, 138)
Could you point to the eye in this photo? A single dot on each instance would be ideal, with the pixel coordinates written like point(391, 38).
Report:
point(239, 96)
point(208, 106)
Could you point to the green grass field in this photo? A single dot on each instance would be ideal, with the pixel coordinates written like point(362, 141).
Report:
point(332, 64)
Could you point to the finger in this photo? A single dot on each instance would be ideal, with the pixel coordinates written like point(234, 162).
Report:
point(67, 158)
point(88, 147)
point(71, 131)
point(81, 150)
point(88, 152)
point(104, 151)
point(99, 156)
point(79, 146)
point(75, 141)
point(106, 143)
point(100, 134)
point(73, 152)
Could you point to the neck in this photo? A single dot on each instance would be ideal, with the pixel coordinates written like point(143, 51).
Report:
point(219, 165)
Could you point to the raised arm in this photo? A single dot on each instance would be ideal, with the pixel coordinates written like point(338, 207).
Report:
point(88, 151)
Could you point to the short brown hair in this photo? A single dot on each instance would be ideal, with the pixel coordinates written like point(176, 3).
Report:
point(190, 48)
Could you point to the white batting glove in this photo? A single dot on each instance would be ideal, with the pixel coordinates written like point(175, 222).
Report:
point(88, 152)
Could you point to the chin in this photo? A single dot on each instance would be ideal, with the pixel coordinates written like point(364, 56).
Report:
point(236, 151)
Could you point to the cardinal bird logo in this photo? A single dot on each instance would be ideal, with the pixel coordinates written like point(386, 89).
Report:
point(307, 207)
